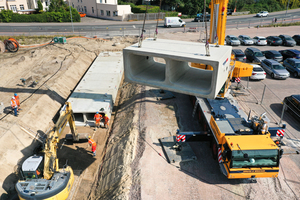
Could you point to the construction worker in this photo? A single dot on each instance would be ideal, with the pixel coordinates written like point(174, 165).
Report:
point(97, 119)
point(93, 144)
point(106, 119)
point(17, 100)
point(14, 106)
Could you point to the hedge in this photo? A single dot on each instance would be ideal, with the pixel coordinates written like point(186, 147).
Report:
point(9, 16)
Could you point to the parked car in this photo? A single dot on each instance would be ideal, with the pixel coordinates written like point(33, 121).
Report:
point(232, 40)
point(257, 73)
point(293, 66)
point(229, 11)
point(290, 53)
point(274, 40)
point(287, 40)
point(200, 18)
point(275, 69)
point(273, 54)
point(259, 40)
point(173, 22)
point(239, 55)
point(245, 40)
point(293, 104)
point(254, 55)
point(82, 14)
point(262, 14)
point(297, 39)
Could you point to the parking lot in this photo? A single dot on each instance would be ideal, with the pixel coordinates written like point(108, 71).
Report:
point(275, 90)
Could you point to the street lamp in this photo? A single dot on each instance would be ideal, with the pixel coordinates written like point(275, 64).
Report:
point(71, 15)
point(287, 6)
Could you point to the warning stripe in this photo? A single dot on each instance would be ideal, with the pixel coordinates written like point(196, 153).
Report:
point(219, 155)
point(238, 79)
point(280, 132)
point(180, 138)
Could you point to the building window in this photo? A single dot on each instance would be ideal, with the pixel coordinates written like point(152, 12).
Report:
point(100, 1)
point(21, 7)
point(84, 9)
point(93, 9)
point(46, 3)
point(102, 12)
point(1, 8)
point(105, 1)
point(115, 13)
point(108, 13)
point(13, 8)
point(81, 1)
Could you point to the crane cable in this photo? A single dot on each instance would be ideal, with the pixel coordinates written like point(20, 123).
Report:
point(156, 31)
point(143, 29)
point(206, 41)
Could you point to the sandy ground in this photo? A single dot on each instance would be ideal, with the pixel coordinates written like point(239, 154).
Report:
point(131, 165)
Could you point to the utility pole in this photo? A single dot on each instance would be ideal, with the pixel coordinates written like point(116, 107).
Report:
point(71, 15)
point(287, 6)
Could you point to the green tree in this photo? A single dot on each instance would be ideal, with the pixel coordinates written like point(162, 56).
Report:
point(40, 6)
point(57, 6)
point(5, 15)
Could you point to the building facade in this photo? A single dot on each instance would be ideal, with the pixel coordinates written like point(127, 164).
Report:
point(104, 9)
point(32, 4)
point(14, 5)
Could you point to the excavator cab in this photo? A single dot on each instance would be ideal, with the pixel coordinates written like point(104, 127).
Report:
point(32, 168)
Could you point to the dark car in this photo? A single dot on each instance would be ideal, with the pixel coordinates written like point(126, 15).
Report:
point(287, 40)
point(297, 39)
point(274, 40)
point(229, 11)
point(292, 65)
point(293, 104)
point(239, 55)
point(201, 17)
point(272, 54)
point(290, 53)
point(254, 55)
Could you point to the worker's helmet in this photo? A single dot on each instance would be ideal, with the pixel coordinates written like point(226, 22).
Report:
point(90, 137)
point(105, 115)
point(13, 98)
point(15, 94)
point(97, 112)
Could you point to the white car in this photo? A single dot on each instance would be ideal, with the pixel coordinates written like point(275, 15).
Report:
point(259, 40)
point(258, 73)
point(262, 14)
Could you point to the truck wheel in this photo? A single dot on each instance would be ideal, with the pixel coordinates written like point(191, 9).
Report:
point(169, 26)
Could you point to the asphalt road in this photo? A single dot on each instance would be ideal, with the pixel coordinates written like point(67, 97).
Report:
point(102, 28)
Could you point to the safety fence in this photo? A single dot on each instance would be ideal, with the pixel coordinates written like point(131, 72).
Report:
point(135, 29)
point(149, 16)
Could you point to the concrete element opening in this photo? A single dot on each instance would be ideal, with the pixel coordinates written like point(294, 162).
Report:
point(177, 74)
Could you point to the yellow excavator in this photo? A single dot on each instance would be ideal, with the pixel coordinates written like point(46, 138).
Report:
point(43, 179)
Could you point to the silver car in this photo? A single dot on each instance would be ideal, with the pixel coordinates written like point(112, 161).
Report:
point(245, 40)
point(275, 69)
point(232, 40)
point(259, 40)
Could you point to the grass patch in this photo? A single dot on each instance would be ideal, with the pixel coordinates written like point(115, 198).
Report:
point(282, 24)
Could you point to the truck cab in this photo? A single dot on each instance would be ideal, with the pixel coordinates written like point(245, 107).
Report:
point(32, 168)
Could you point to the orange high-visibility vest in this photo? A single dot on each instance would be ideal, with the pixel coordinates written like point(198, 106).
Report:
point(92, 142)
point(17, 100)
point(106, 119)
point(97, 117)
point(13, 103)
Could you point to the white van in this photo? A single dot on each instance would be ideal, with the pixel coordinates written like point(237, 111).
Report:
point(173, 22)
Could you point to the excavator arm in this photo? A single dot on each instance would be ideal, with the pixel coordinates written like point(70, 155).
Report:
point(53, 136)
